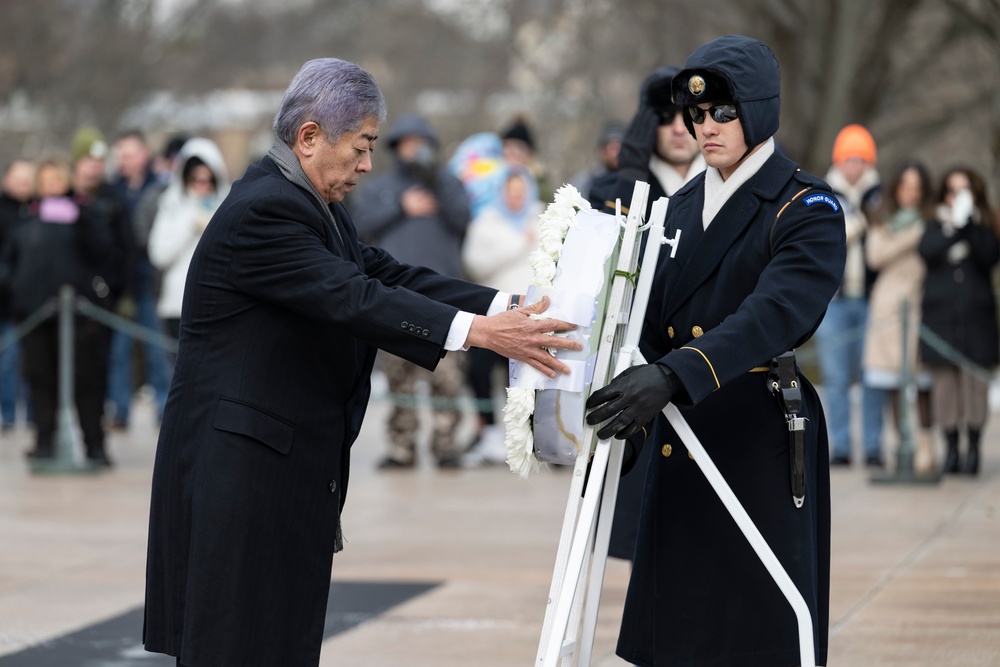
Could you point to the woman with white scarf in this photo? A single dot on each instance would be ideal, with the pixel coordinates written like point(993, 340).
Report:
point(495, 254)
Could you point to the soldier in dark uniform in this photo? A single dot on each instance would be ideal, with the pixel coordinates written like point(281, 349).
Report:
point(761, 253)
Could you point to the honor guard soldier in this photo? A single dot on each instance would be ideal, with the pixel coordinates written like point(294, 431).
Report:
point(761, 254)
point(658, 149)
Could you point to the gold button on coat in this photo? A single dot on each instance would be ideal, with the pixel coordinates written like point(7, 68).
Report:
point(696, 331)
point(670, 331)
point(666, 450)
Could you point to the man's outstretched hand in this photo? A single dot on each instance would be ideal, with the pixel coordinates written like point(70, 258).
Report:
point(515, 335)
point(631, 400)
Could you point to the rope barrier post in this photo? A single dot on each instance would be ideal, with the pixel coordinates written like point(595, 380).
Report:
point(904, 472)
point(67, 441)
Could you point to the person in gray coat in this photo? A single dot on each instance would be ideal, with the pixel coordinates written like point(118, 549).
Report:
point(418, 212)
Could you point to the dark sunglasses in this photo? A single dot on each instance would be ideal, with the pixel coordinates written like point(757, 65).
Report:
point(668, 114)
point(721, 113)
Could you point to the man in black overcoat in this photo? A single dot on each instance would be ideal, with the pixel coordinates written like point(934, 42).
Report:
point(761, 253)
point(283, 311)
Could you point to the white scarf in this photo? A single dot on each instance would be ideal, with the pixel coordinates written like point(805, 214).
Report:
point(718, 191)
point(669, 177)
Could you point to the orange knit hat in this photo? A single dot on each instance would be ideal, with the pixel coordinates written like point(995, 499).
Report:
point(854, 141)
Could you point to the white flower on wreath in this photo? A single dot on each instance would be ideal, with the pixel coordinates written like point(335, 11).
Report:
point(553, 225)
point(519, 438)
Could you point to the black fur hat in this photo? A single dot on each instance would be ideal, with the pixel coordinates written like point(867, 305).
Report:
point(733, 69)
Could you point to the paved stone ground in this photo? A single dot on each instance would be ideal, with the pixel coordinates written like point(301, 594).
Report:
point(916, 569)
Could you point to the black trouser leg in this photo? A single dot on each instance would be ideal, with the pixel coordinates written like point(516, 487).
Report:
point(40, 364)
point(90, 373)
point(480, 374)
point(972, 458)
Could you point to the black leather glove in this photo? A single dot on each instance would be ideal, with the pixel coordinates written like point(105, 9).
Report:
point(631, 400)
point(639, 141)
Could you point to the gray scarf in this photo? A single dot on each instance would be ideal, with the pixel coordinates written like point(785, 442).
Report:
point(288, 163)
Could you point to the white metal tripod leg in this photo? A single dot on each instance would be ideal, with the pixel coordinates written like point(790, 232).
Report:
point(578, 550)
point(807, 654)
point(602, 540)
point(570, 520)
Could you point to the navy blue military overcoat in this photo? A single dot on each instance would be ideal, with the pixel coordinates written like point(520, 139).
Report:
point(282, 314)
point(735, 296)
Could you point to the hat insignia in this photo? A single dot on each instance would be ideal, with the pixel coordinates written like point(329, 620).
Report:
point(696, 85)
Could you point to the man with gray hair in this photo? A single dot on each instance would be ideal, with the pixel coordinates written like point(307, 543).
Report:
point(283, 312)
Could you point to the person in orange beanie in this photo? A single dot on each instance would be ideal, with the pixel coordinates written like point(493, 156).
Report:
point(840, 338)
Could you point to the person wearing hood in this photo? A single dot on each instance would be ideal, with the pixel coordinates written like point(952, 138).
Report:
point(841, 338)
point(199, 185)
point(656, 148)
point(418, 212)
point(761, 254)
point(495, 254)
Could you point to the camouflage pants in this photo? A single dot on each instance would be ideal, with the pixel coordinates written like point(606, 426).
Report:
point(446, 383)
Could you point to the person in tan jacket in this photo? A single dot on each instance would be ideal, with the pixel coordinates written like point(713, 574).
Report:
point(892, 251)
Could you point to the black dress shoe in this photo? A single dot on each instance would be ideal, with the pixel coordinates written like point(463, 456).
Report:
point(840, 460)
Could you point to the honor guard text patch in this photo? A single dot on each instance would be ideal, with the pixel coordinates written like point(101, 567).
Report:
point(822, 199)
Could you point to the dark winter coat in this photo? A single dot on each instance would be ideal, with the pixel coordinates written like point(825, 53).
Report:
point(40, 256)
point(118, 265)
point(13, 213)
point(279, 329)
point(617, 184)
point(958, 303)
point(735, 296)
point(434, 241)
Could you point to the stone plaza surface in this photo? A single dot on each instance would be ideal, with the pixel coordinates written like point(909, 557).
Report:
point(916, 569)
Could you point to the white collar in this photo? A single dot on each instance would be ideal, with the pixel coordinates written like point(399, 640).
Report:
point(718, 191)
point(669, 177)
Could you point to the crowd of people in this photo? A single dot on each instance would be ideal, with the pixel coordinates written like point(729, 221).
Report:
point(907, 241)
point(121, 236)
point(127, 222)
point(926, 251)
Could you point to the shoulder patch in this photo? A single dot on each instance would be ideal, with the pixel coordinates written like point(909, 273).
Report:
point(821, 198)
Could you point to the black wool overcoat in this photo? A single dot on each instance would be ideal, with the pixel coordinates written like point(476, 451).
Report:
point(736, 295)
point(282, 315)
point(958, 301)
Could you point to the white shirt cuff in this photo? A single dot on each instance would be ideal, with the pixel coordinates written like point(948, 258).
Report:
point(458, 332)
